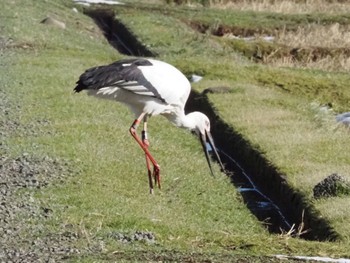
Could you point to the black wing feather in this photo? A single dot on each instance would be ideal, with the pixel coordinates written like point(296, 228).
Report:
point(122, 71)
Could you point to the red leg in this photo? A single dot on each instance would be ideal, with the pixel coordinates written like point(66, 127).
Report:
point(144, 145)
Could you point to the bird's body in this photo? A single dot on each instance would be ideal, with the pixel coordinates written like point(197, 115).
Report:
point(148, 87)
point(144, 85)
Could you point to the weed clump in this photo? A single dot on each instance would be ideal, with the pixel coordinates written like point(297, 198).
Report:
point(333, 185)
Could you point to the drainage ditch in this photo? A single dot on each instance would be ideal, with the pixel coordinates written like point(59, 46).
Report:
point(117, 34)
point(260, 46)
point(264, 189)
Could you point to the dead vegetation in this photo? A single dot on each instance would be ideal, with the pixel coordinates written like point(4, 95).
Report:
point(313, 35)
point(284, 6)
point(324, 47)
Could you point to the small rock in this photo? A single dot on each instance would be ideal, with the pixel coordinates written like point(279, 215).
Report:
point(52, 21)
point(148, 237)
point(344, 118)
point(195, 78)
point(219, 90)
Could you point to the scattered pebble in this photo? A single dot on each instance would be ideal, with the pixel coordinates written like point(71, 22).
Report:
point(19, 209)
point(146, 236)
point(24, 236)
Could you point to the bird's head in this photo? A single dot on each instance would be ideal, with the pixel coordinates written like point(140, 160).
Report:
point(200, 123)
point(201, 127)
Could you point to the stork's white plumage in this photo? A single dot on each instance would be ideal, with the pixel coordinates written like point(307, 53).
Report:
point(148, 87)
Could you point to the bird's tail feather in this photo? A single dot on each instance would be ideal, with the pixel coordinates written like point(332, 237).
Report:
point(79, 87)
point(87, 80)
point(96, 78)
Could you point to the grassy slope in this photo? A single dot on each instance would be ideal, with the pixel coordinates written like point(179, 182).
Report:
point(191, 213)
point(274, 108)
point(110, 194)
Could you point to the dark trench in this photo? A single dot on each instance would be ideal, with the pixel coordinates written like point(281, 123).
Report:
point(117, 34)
point(264, 189)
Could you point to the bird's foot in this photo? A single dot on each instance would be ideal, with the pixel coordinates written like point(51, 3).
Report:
point(151, 188)
point(156, 175)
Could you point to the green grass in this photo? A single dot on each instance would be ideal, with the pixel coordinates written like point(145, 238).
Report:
point(257, 21)
point(109, 192)
point(181, 46)
point(273, 107)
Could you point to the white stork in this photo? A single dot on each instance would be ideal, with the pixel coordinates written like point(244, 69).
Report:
point(148, 87)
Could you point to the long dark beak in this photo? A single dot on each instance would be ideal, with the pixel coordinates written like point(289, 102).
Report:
point(205, 139)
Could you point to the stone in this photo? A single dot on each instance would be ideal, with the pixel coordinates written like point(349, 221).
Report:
point(54, 22)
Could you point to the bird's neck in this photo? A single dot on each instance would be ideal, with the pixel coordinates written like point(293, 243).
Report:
point(180, 119)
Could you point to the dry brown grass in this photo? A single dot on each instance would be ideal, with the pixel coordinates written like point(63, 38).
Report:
point(324, 47)
point(312, 45)
point(332, 42)
point(329, 63)
point(285, 6)
point(312, 35)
